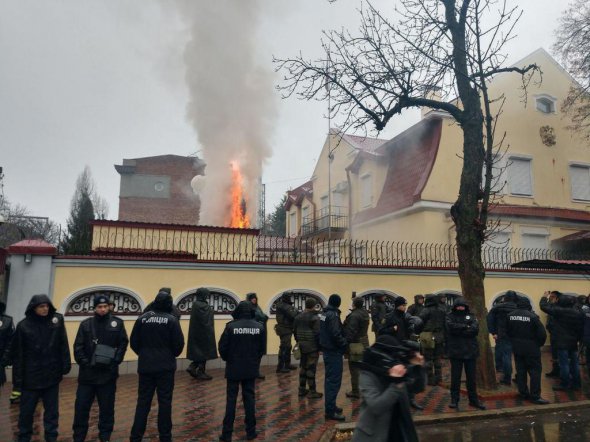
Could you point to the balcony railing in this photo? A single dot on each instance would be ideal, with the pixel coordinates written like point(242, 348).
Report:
point(336, 219)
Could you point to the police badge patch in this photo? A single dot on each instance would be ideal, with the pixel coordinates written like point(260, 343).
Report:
point(1, 323)
point(467, 317)
point(114, 324)
point(54, 320)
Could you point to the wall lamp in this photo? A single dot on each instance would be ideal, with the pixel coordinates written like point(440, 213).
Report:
point(28, 258)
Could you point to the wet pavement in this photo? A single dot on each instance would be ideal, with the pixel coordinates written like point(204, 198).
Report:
point(198, 409)
point(565, 426)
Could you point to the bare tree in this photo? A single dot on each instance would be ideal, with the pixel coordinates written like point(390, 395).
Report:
point(435, 48)
point(20, 224)
point(573, 46)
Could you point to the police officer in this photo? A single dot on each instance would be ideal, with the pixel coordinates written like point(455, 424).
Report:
point(307, 334)
point(356, 326)
point(497, 320)
point(241, 346)
point(333, 345)
point(416, 308)
point(527, 336)
point(6, 334)
point(40, 357)
point(158, 340)
point(98, 378)
point(432, 338)
point(462, 330)
point(286, 314)
point(379, 310)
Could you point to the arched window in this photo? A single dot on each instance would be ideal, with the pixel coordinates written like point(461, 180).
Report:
point(298, 296)
point(223, 302)
point(369, 297)
point(125, 302)
point(500, 296)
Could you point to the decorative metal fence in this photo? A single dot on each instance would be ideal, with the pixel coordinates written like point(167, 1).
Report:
point(243, 248)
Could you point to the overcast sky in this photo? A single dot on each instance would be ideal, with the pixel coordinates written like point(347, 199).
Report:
point(93, 82)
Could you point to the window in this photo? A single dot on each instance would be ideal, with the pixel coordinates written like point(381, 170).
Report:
point(293, 224)
point(534, 241)
point(580, 181)
point(366, 191)
point(546, 105)
point(520, 180)
point(305, 215)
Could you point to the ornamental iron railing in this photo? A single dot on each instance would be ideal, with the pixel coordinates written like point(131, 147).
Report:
point(247, 248)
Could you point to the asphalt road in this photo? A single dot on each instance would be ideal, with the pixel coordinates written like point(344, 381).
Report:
point(563, 426)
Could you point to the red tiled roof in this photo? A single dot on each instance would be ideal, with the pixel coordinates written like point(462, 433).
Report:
point(540, 212)
point(411, 156)
point(366, 144)
point(296, 195)
point(32, 246)
point(583, 235)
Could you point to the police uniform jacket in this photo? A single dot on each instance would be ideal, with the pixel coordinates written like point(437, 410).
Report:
point(286, 314)
point(241, 345)
point(462, 329)
point(107, 330)
point(39, 351)
point(497, 318)
point(331, 330)
point(158, 340)
point(307, 331)
point(356, 326)
point(526, 333)
point(397, 324)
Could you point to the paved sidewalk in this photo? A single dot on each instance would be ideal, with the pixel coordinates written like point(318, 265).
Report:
point(199, 407)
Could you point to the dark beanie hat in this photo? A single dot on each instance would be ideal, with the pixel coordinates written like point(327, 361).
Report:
point(100, 299)
point(251, 296)
point(335, 300)
point(400, 300)
point(286, 297)
point(310, 303)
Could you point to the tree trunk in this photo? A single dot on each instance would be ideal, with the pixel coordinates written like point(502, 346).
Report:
point(469, 242)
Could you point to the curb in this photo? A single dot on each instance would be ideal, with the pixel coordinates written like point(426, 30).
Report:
point(454, 417)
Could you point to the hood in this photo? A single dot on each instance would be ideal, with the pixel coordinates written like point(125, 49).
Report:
point(431, 301)
point(510, 296)
point(38, 300)
point(163, 302)
point(461, 301)
point(244, 310)
point(566, 301)
point(418, 297)
point(202, 294)
point(251, 296)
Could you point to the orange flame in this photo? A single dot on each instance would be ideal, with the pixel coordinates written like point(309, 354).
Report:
point(238, 215)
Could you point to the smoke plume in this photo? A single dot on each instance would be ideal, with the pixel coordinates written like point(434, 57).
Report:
point(231, 105)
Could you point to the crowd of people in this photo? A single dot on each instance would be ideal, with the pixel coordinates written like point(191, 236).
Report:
point(410, 345)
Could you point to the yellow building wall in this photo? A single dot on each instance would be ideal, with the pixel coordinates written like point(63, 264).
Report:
point(270, 281)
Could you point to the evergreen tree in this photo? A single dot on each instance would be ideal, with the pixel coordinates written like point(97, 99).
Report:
point(275, 224)
point(78, 239)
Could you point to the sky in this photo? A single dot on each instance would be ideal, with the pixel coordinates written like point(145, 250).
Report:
point(93, 82)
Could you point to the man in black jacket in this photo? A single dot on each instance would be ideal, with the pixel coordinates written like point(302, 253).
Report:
point(307, 334)
point(201, 346)
point(333, 344)
point(356, 326)
point(432, 338)
point(397, 322)
point(40, 357)
point(416, 308)
point(497, 320)
point(527, 336)
point(462, 330)
point(158, 340)
point(96, 379)
point(241, 346)
point(567, 329)
point(6, 334)
point(262, 318)
point(286, 314)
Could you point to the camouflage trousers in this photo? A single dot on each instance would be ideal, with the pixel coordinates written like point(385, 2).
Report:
point(433, 363)
point(307, 369)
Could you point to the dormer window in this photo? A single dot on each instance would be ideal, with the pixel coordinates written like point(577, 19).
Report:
point(546, 104)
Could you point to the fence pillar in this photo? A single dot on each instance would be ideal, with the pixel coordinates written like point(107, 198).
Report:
point(30, 274)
